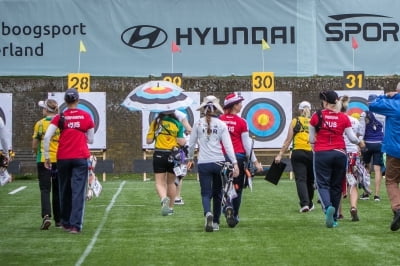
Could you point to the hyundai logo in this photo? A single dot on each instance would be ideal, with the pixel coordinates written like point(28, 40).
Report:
point(144, 37)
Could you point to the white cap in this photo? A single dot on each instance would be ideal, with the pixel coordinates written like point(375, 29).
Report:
point(45, 105)
point(304, 104)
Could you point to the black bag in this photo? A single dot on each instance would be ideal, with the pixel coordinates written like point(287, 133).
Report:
point(275, 172)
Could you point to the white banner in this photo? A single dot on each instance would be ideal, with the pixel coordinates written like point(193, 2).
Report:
point(6, 115)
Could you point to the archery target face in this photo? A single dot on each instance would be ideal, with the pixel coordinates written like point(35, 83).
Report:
point(88, 107)
point(6, 115)
point(357, 105)
point(93, 103)
point(3, 116)
point(265, 119)
point(267, 114)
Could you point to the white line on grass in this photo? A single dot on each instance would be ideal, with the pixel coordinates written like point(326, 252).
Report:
point(103, 221)
point(17, 190)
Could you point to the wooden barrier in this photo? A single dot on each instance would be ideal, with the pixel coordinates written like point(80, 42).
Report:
point(145, 166)
point(103, 165)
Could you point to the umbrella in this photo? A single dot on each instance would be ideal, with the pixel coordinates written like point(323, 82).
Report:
point(157, 96)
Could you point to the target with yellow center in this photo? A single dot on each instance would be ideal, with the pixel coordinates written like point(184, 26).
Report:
point(265, 117)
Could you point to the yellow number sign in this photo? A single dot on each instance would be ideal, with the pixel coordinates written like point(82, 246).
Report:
point(353, 80)
point(263, 81)
point(79, 81)
point(175, 78)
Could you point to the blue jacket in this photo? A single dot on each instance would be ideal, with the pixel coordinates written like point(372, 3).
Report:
point(389, 107)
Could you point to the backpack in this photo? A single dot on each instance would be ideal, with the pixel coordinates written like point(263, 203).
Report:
point(320, 119)
point(372, 123)
point(298, 127)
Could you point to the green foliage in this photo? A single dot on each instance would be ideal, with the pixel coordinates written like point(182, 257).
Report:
point(124, 227)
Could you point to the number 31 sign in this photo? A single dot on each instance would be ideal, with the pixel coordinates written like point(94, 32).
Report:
point(353, 80)
point(79, 81)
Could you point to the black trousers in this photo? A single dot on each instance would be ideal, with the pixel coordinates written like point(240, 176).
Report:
point(302, 164)
point(48, 184)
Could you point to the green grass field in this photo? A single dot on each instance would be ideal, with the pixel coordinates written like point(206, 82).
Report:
point(124, 227)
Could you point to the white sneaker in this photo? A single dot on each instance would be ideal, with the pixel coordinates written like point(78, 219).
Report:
point(179, 201)
point(215, 227)
point(4, 177)
point(165, 206)
point(209, 222)
point(305, 209)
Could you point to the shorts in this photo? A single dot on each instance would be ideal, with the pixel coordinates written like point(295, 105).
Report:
point(161, 164)
point(373, 151)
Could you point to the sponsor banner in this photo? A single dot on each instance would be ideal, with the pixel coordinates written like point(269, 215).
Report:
point(198, 38)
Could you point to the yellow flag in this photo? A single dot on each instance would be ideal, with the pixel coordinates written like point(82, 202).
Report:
point(82, 47)
point(264, 45)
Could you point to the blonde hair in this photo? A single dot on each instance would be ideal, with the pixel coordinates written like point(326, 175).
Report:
point(306, 112)
point(343, 103)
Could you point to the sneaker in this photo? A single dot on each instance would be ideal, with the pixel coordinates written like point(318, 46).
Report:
point(74, 230)
point(179, 201)
point(312, 207)
point(354, 215)
point(230, 218)
point(377, 198)
point(364, 196)
point(209, 222)
point(304, 209)
point(58, 225)
point(45, 223)
point(170, 211)
point(165, 206)
point(340, 217)
point(215, 227)
point(395, 225)
point(4, 177)
point(335, 224)
point(66, 228)
point(329, 221)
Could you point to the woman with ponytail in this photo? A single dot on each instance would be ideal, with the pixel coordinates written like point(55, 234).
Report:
point(301, 157)
point(208, 133)
point(326, 137)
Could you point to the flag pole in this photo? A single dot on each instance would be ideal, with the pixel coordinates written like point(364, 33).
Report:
point(79, 62)
point(172, 62)
point(262, 57)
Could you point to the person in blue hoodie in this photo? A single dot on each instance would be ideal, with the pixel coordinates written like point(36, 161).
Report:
point(389, 106)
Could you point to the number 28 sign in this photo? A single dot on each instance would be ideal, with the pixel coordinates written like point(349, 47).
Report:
point(79, 81)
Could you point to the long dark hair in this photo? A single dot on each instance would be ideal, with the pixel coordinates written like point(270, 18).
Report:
point(160, 117)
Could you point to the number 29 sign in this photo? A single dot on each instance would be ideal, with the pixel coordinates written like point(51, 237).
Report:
point(79, 81)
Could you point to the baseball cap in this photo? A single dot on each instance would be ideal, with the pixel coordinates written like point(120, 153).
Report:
point(71, 95)
point(304, 104)
point(232, 99)
point(329, 96)
point(50, 105)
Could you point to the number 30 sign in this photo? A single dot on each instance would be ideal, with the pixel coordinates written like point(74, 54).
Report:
point(79, 81)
